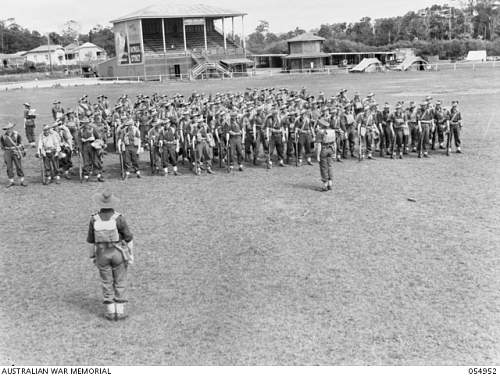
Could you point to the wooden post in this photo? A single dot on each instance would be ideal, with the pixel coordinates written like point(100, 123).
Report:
point(205, 34)
point(243, 43)
point(224, 34)
point(184, 35)
point(163, 35)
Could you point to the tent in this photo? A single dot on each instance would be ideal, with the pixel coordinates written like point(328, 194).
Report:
point(412, 63)
point(475, 56)
point(368, 65)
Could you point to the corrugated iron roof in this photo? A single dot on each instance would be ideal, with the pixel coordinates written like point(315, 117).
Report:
point(305, 38)
point(307, 55)
point(179, 10)
point(44, 48)
point(236, 61)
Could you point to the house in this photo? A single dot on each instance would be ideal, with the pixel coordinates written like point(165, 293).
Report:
point(85, 53)
point(46, 54)
point(304, 53)
point(11, 60)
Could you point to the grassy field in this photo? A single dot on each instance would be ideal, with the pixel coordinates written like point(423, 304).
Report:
point(259, 267)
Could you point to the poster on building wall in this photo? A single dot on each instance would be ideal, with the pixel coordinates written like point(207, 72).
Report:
point(121, 43)
point(134, 41)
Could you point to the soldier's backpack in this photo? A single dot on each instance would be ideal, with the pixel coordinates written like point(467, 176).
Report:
point(106, 231)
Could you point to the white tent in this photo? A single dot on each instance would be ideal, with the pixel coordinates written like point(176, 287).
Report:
point(368, 65)
point(412, 63)
point(476, 56)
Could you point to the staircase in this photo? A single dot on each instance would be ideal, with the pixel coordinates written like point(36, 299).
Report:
point(207, 67)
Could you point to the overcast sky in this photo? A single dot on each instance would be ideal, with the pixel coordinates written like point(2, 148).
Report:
point(282, 15)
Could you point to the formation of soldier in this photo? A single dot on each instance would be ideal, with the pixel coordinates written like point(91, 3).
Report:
point(231, 129)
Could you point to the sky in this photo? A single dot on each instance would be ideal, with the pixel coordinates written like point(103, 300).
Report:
point(282, 15)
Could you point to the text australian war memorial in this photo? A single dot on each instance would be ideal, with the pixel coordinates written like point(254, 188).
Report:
point(173, 40)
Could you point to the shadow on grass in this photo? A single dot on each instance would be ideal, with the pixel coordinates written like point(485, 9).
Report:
point(83, 303)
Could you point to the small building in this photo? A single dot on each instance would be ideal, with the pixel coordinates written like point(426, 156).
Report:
point(85, 53)
point(11, 60)
point(304, 53)
point(46, 54)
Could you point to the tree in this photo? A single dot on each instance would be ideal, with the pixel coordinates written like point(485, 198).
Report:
point(361, 31)
point(104, 38)
point(71, 31)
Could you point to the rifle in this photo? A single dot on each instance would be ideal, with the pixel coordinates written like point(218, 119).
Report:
point(80, 165)
point(151, 157)
point(448, 139)
point(296, 144)
point(268, 148)
point(44, 176)
point(229, 154)
point(360, 145)
point(123, 173)
point(196, 165)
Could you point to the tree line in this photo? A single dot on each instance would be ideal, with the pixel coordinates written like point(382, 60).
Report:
point(446, 31)
point(437, 30)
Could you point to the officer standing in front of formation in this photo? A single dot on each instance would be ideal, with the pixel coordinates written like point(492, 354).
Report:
point(111, 250)
point(29, 124)
point(57, 111)
point(87, 136)
point(12, 145)
point(49, 147)
point(455, 127)
point(236, 136)
point(426, 125)
point(398, 124)
point(129, 139)
point(326, 141)
point(169, 140)
point(66, 139)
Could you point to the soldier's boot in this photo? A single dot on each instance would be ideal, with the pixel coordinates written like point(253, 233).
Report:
point(86, 178)
point(381, 152)
point(11, 183)
point(175, 171)
point(281, 163)
point(269, 164)
point(426, 155)
point(100, 178)
point(165, 172)
point(209, 170)
point(120, 311)
point(22, 183)
point(110, 311)
point(33, 145)
point(325, 187)
point(230, 168)
point(255, 160)
point(309, 162)
point(330, 185)
point(127, 175)
point(240, 168)
point(66, 174)
point(370, 156)
point(459, 150)
point(138, 174)
point(58, 180)
point(393, 156)
point(441, 145)
point(300, 162)
point(400, 155)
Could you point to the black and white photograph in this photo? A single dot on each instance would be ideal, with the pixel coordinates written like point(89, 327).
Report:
point(233, 183)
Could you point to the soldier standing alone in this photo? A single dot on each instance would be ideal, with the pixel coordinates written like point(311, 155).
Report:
point(111, 250)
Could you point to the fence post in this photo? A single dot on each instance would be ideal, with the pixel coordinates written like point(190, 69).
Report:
point(137, 78)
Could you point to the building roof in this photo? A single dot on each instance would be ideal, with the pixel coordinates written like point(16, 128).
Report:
point(237, 61)
point(45, 48)
point(73, 47)
point(179, 10)
point(306, 37)
point(307, 55)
